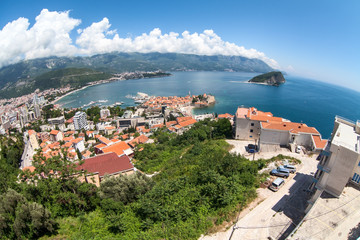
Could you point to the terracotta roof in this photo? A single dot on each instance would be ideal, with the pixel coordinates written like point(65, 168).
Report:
point(290, 126)
point(157, 125)
point(117, 148)
point(104, 140)
point(54, 132)
point(139, 140)
point(319, 143)
point(109, 127)
point(182, 119)
point(68, 139)
point(77, 140)
point(225, 115)
point(30, 168)
point(67, 144)
point(100, 146)
point(187, 123)
point(31, 132)
point(108, 163)
point(86, 154)
point(168, 124)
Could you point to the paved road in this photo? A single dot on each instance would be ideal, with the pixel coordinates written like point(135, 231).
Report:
point(274, 216)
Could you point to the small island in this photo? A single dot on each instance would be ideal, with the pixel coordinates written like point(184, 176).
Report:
point(270, 78)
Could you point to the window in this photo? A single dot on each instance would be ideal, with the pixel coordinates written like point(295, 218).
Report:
point(356, 178)
point(250, 136)
point(252, 124)
point(251, 130)
point(359, 164)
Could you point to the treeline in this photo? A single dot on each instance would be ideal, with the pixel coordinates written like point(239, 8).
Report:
point(198, 184)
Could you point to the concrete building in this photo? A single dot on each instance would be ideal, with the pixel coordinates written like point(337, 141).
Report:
point(56, 121)
point(104, 113)
point(339, 162)
point(37, 111)
point(80, 121)
point(264, 128)
point(247, 123)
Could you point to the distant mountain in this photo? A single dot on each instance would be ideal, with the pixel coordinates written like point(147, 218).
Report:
point(24, 73)
point(271, 78)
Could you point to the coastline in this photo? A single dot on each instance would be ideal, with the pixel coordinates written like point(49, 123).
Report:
point(98, 83)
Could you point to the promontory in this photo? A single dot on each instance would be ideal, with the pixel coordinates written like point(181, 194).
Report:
point(270, 78)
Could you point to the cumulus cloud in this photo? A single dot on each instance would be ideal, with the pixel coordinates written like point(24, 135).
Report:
point(50, 36)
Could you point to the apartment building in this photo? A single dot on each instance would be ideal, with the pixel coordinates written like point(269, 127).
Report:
point(80, 121)
point(340, 162)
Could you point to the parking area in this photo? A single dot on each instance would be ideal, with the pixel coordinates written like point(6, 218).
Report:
point(277, 213)
point(332, 218)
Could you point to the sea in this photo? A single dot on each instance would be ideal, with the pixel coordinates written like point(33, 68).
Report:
point(299, 99)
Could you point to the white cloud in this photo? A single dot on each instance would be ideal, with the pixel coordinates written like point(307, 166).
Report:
point(50, 36)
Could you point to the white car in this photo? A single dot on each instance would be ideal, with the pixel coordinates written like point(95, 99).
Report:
point(298, 149)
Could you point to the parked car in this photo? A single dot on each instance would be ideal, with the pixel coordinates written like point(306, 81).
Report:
point(280, 172)
point(277, 184)
point(291, 168)
point(298, 149)
point(251, 148)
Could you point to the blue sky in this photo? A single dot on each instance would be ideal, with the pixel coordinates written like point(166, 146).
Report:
point(315, 39)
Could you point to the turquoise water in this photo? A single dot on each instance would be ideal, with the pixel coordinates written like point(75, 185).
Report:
point(299, 100)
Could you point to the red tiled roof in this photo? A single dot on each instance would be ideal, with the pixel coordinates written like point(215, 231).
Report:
point(183, 119)
point(139, 140)
point(108, 163)
point(319, 143)
point(104, 140)
point(290, 126)
point(54, 132)
point(31, 132)
point(100, 146)
point(117, 148)
point(187, 123)
point(225, 115)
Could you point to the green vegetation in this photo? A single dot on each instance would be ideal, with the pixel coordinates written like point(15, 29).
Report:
point(11, 149)
point(271, 78)
point(74, 77)
point(48, 111)
point(198, 185)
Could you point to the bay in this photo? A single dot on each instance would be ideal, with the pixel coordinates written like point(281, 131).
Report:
point(299, 100)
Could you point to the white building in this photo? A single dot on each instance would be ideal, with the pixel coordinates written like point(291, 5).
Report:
point(340, 162)
point(251, 124)
point(104, 113)
point(80, 121)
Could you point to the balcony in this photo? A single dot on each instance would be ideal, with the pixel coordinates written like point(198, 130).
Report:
point(323, 168)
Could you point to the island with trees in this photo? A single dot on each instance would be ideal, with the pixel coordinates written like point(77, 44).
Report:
point(270, 78)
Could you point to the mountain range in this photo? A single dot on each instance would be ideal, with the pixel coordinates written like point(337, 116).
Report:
point(22, 77)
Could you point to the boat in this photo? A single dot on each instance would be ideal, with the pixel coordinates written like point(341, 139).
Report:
point(103, 101)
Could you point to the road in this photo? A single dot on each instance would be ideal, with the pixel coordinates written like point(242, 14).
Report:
point(274, 217)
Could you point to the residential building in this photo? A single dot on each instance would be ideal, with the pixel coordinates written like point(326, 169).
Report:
point(56, 135)
point(37, 110)
point(105, 164)
point(340, 162)
point(104, 113)
point(120, 148)
point(56, 121)
point(264, 128)
point(80, 121)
